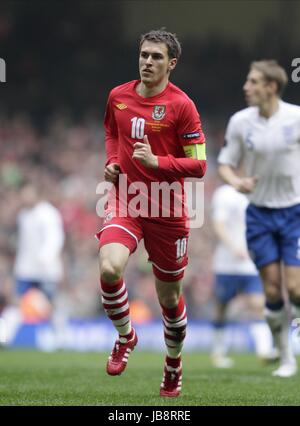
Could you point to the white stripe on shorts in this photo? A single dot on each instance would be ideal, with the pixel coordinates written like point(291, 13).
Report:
point(169, 272)
point(124, 229)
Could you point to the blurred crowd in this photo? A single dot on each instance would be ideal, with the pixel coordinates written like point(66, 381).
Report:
point(66, 161)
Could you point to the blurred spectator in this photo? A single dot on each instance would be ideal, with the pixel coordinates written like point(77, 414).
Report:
point(40, 242)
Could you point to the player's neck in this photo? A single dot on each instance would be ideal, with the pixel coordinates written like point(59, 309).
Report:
point(148, 91)
point(269, 108)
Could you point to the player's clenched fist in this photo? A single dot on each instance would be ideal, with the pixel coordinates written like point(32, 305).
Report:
point(143, 153)
point(111, 172)
point(246, 184)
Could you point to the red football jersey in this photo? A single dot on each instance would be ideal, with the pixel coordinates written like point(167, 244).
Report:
point(169, 119)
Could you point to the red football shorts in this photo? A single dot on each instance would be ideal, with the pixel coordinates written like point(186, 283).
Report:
point(166, 243)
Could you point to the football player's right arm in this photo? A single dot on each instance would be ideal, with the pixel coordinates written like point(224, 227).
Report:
point(192, 140)
point(229, 159)
point(112, 168)
point(111, 172)
point(241, 184)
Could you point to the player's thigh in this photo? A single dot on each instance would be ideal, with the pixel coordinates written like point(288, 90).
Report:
point(290, 238)
point(263, 244)
point(117, 240)
point(167, 246)
point(271, 279)
point(113, 257)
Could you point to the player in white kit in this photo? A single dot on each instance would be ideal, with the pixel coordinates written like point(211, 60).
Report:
point(265, 138)
point(38, 262)
point(235, 273)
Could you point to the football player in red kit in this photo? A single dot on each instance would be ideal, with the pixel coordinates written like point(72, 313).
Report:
point(153, 135)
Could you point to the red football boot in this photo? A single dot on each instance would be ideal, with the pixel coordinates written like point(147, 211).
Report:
point(172, 380)
point(118, 358)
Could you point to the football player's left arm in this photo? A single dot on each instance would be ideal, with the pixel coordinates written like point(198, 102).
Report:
point(192, 140)
point(194, 166)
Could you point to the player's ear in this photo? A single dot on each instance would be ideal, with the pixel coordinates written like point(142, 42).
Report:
point(172, 64)
point(273, 87)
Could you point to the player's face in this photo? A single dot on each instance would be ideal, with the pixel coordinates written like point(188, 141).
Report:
point(257, 90)
point(28, 197)
point(154, 63)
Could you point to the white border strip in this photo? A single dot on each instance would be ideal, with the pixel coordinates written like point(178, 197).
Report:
point(124, 229)
point(169, 272)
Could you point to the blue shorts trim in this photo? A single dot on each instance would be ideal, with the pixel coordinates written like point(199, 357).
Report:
point(273, 235)
point(227, 286)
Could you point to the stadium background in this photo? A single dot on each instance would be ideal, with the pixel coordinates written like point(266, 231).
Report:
point(62, 59)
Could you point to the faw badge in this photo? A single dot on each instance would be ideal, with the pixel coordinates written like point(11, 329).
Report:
point(159, 111)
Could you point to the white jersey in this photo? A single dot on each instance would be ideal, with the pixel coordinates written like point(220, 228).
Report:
point(40, 243)
point(269, 149)
point(229, 207)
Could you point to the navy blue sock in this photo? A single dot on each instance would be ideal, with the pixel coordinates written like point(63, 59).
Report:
point(275, 306)
point(218, 324)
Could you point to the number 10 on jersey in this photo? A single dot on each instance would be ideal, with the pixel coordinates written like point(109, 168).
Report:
point(137, 128)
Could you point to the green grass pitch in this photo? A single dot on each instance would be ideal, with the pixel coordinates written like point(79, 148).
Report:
point(70, 378)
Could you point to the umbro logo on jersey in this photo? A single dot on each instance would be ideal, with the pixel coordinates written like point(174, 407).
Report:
point(159, 111)
point(121, 106)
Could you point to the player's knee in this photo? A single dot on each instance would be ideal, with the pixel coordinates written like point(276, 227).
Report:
point(110, 272)
point(273, 291)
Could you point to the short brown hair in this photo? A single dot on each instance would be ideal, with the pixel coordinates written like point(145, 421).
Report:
point(163, 36)
point(272, 71)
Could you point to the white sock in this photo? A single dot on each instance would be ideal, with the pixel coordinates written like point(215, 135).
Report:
point(279, 325)
point(219, 345)
point(262, 337)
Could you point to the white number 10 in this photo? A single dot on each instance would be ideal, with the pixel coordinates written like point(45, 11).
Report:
point(137, 128)
point(181, 246)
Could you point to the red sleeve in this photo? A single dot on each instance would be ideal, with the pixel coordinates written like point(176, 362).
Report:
point(182, 167)
point(189, 131)
point(111, 134)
